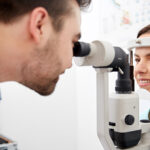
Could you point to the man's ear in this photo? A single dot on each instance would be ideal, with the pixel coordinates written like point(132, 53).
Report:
point(38, 19)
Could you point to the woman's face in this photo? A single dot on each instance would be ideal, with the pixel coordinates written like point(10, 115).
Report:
point(142, 67)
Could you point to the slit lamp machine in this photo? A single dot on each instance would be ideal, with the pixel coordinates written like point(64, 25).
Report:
point(118, 124)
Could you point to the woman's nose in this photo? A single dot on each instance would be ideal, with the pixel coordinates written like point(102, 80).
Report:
point(141, 67)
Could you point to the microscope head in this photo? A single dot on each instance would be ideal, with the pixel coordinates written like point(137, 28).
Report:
point(101, 54)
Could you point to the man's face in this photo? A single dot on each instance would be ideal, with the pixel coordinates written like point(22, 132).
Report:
point(42, 72)
point(142, 67)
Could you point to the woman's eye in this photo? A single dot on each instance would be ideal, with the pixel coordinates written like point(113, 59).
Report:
point(137, 60)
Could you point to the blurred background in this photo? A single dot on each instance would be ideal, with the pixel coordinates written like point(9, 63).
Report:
point(66, 120)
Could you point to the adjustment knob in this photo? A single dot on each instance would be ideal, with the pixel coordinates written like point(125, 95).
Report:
point(129, 119)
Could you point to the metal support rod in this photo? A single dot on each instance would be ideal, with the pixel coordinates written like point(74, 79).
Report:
point(103, 109)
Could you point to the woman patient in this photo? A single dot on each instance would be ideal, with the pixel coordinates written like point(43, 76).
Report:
point(142, 67)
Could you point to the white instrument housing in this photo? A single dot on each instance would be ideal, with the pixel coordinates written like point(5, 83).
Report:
point(101, 54)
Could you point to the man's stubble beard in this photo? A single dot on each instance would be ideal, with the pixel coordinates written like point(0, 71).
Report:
point(45, 89)
point(31, 79)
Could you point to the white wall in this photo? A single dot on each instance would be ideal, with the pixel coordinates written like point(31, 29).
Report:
point(40, 123)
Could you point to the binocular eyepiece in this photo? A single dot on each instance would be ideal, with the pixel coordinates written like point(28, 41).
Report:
point(81, 49)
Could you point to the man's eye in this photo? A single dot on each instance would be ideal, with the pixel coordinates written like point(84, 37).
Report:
point(73, 43)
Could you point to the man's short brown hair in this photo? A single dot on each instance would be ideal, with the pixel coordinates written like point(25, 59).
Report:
point(144, 30)
point(12, 9)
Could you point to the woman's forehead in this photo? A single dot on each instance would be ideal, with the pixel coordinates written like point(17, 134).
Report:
point(144, 51)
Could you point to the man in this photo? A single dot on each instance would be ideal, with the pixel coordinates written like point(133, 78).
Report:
point(142, 59)
point(36, 40)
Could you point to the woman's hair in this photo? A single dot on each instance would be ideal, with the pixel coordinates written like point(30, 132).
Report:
point(144, 30)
